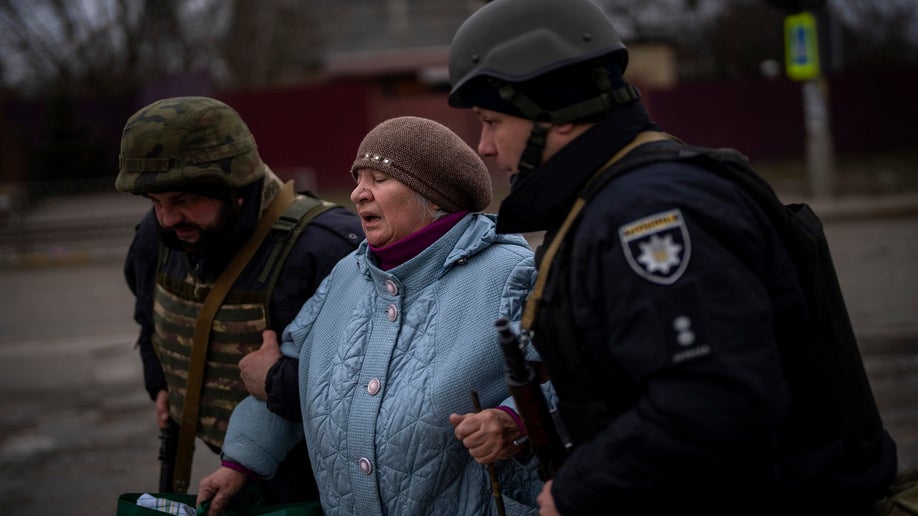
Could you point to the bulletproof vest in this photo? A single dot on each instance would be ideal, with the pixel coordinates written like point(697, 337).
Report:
point(237, 326)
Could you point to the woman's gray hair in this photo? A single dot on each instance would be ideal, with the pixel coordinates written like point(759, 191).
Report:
point(427, 207)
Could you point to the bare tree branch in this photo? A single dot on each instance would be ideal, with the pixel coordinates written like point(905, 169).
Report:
point(94, 45)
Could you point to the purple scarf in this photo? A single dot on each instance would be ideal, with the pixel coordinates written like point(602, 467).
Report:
point(407, 248)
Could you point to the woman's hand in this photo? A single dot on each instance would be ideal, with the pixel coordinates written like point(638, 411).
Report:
point(489, 435)
point(219, 487)
point(546, 501)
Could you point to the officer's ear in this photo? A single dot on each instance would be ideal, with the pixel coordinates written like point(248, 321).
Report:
point(561, 134)
point(564, 129)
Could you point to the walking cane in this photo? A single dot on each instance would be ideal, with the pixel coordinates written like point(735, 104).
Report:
point(492, 470)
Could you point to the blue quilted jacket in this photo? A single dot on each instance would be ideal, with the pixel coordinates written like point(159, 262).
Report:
point(384, 358)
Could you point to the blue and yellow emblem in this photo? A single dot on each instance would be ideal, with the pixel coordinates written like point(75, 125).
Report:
point(657, 247)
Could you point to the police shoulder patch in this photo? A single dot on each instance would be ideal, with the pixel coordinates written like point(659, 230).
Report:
point(657, 247)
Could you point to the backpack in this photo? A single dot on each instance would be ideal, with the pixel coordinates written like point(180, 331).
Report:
point(831, 394)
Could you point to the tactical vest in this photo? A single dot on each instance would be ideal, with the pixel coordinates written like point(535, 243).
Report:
point(237, 326)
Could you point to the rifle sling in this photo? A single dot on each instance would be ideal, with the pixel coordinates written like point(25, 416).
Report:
point(202, 329)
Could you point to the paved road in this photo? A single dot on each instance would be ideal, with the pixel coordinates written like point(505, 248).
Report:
point(77, 428)
point(877, 264)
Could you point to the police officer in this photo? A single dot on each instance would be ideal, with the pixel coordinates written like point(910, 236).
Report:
point(196, 161)
point(665, 301)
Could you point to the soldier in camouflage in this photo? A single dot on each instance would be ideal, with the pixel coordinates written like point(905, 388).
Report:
point(197, 162)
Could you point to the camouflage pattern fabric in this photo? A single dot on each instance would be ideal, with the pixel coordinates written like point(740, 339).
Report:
point(182, 140)
point(271, 187)
point(236, 332)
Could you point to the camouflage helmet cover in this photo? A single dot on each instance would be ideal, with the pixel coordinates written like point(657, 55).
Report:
point(519, 40)
point(179, 141)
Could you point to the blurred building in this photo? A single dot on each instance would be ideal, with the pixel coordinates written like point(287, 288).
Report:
point(315, 76)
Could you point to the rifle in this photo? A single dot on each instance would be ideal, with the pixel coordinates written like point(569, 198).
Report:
point(540, 423)
point(168, 446)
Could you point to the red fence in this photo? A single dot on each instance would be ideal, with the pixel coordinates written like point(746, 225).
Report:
point(311, 132)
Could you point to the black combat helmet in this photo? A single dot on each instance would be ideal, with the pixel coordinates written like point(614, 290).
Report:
point(547, 60)
point(519, 41)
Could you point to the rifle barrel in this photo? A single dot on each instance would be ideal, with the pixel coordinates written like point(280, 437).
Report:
point(524, 386)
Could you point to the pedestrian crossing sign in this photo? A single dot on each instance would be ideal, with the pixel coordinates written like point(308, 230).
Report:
point(801, 46)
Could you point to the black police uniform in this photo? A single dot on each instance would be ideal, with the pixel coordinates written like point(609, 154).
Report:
point(673, 291)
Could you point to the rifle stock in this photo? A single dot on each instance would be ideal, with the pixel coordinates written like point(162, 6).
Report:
point(168, 446)
point(524, 386)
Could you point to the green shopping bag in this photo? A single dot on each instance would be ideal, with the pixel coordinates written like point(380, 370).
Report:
point(127, 506)
point(127, 503)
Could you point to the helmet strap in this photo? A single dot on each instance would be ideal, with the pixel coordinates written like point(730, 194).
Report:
point(609, 100)
point(508, 93)
point(532, 154)
point(604, 103)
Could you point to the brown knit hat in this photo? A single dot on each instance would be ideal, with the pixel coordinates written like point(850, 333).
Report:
point(429, 158)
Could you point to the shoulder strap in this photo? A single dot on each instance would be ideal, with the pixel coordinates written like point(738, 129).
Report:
point(286, 232)
point(610, 168)
point(202, 329)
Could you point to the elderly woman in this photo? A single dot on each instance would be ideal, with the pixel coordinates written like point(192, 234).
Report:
point(387, 351)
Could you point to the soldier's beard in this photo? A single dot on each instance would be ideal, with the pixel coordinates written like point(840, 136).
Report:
point(210, 238)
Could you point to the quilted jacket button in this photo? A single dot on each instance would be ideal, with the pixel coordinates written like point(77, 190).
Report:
point(373, 386)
